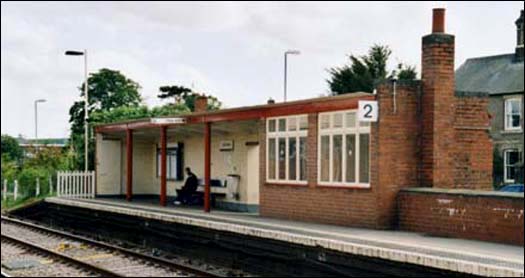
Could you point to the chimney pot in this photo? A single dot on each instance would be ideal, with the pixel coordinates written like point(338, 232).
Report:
point(438, 20)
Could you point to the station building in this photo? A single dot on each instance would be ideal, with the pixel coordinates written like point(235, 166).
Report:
point(313, 160)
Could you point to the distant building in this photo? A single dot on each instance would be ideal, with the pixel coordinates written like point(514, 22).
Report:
point(502, 77)
point(29, 145)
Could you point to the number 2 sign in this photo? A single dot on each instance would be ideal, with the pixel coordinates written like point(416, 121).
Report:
point(368, 111)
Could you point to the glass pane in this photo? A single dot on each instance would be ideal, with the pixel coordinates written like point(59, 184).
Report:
point(512, 158)
point(302, 158)
point(271, 126)
point(282, 124)
point(282, 158)
point(508, 107)
point(337, 156)
point(350, 158)
point(511, 173)
point(172, 161)
point(338, 120)
point(292, 124)
point(364, 157)
point(515, 121)
point(158, 163)
point(303, 123)
point(271, 159)
point(325, 158)
point(515, 107)
point(292, 159)
point(325, 121)
point(350, 119)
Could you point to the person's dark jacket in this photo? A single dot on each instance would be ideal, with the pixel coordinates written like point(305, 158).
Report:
point(191, 184)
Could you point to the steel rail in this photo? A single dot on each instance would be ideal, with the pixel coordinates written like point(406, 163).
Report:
point(63, 257)
point(158, 260)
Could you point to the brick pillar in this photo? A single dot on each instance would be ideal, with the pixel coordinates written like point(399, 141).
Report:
point(201, 104)
point(311, 149)
point(438, 106)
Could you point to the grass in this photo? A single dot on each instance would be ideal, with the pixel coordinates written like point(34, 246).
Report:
point(10, 204)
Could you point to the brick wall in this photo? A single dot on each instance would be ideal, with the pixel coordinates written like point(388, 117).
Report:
point(474, 149)
point(488, 216)
point(314, 203)
point(393, 164)
point(395, 154)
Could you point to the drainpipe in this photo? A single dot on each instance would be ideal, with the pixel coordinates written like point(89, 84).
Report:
point(394, 81)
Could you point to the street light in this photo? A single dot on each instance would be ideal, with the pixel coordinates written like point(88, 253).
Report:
point(36, 116)
point(286, 53)
point(86, 102)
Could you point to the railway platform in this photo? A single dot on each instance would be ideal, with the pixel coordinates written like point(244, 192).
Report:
point(457, 255)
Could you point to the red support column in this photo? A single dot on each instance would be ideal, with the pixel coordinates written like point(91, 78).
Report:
point(207, 166)
point(129, 163)
point(163, 165)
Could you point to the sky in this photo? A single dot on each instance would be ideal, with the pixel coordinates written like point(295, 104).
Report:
point(232, 50)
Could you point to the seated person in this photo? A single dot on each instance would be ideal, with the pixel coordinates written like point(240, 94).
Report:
point(190, 186)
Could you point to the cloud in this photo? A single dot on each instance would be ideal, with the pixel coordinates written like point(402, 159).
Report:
point(233, 50)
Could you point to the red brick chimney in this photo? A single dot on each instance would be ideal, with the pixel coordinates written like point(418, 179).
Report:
point(438, 106)
point(201, 104)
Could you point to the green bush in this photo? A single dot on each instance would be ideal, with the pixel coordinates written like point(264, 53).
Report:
point(27, 181)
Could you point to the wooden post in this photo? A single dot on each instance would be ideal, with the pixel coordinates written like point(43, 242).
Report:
point(15, 191)
point(37, 190)
point(163, 165)
point(5, 190)
point(129, 163)
point(207, 166)
point(58, 183)
point(93, 185)
point(50, 182)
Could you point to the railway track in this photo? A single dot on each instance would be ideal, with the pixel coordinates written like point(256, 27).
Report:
point(94, 257)
point(52, 260)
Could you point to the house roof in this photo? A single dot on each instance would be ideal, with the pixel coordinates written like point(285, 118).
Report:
point(54, 142)
point(499, 74)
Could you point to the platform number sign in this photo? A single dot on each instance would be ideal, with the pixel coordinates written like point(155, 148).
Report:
point(368, 111)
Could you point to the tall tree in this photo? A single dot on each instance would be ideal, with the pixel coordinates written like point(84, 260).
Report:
point(11, 149)
point(107, 90)
point(363, 71)
point(185, 96)
point(404, 72)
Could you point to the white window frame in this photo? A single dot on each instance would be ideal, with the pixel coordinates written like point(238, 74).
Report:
point(297, 134)
point(171, 170)
point(508, 113)
point(505, 166)
point(359, 129)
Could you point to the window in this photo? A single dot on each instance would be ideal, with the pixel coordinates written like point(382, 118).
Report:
point(286, 149)
point(511, 163)
point(513, 114)
point(344, 150)
point(173, 163)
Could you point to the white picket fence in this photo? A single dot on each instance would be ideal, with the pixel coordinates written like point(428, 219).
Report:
point(76, 184)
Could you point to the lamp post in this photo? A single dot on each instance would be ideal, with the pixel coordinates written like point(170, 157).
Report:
point(286, 53)
point(36, 116)
point(86, 103)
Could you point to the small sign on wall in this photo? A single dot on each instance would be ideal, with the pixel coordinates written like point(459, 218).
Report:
point(226, 145)
point(368, 111)
point(165, 121)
